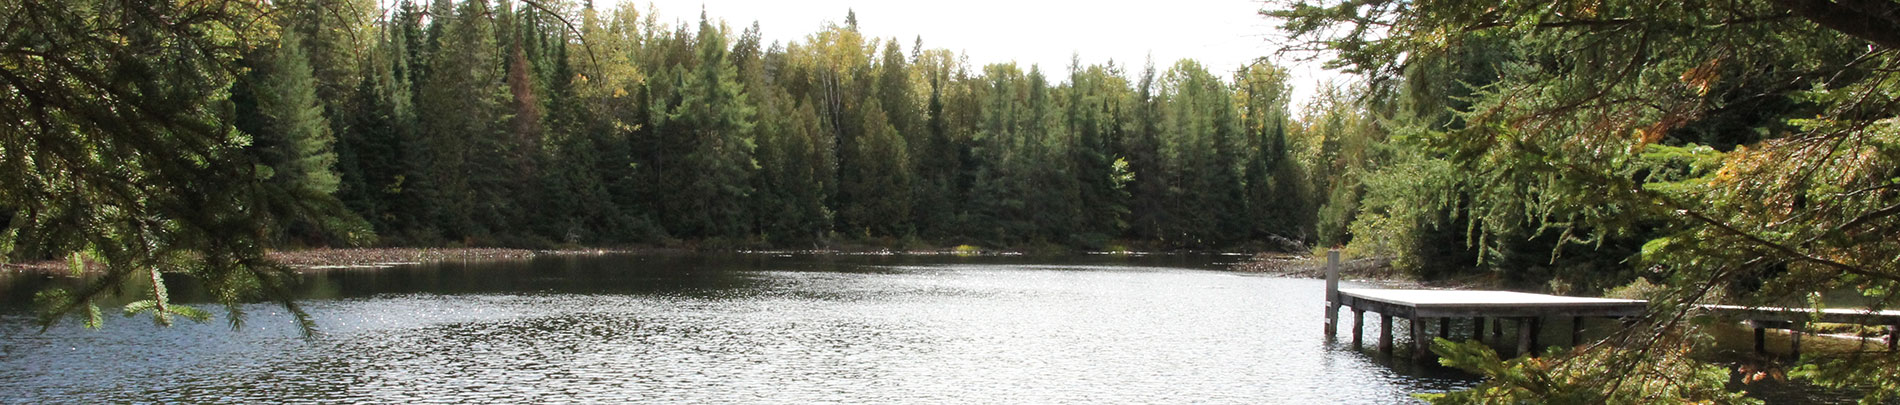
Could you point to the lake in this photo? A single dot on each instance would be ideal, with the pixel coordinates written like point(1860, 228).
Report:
point(739, 328)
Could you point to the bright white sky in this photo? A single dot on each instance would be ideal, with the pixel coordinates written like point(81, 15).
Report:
point(1222, 34)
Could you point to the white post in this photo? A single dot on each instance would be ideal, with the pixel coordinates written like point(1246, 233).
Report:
point(1332, 293)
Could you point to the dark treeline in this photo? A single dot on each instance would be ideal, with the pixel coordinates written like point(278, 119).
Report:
point(540, 123)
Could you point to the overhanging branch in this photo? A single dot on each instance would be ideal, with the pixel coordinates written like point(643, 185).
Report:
point(1871, 20)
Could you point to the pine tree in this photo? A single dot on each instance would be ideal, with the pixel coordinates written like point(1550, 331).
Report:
point(1048, 182)
point(296, 138)
point(462, 118)
point(382, 129)
point(881, 191)
point(994, 198)
point(1277, 205)
point(1198, 148)
point(1095, 114)
point(119, 148)
point(1148, 182)
point(295, 151)
point(712, 122)
point(935, 159)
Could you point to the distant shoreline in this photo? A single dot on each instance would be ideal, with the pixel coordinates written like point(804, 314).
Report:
point(321, 259)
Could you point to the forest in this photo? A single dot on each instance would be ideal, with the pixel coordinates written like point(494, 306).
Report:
point(1734, 151)
point(541, 124)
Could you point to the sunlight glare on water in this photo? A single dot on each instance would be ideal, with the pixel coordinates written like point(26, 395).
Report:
point(753, 329)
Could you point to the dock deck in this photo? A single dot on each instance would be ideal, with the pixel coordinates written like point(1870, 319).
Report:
point(1528, 311)
point(1466, 303)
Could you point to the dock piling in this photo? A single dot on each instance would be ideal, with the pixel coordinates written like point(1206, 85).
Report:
point(1385, 333)
point(1576, 331)
point(1537, 330)
point(1527, 330)
point(1332, 293)
point(1796, 329)
point(1497, 329)
point(1421, 345)
point(1477, 328)
point(1358, 327)
point(1893, 338)
point(1761, 338)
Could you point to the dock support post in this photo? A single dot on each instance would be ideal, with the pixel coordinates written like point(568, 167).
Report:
point(1444, 328)
point(1893, 338)
point(1385, 333)
point(1358, 328)
point(1796, 328)
point(1477, 328)
point(1576, 331)
point(1761, 337)
point(1523, 336)
point(1527, 329)
point(1497, 330)
point(1537, 329)
point(1421, 345)
point(1332, 293)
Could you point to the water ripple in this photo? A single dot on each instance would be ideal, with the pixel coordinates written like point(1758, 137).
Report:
point(932, 333)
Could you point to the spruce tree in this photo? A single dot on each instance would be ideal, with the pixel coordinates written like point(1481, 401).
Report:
point(712, 121)
point(296, 137)
point(462, 115)
point(881, 192)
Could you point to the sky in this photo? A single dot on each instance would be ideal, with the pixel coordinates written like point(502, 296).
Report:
point(1222, 34)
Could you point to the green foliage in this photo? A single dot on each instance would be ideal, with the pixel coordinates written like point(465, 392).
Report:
point(709, 118)
point(881, 189)
point(296, 139)
point(1872, 373)
point(1590, 378)
point(1740, 154)
point(1278, 193)
point(121, 145)
point(294, 144)
point(1198, 147)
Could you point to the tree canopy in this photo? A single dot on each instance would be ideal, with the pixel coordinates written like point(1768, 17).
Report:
point(1735, 152)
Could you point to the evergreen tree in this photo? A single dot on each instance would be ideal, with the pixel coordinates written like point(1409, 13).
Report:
point(1277, 204)
point(462, 117)
point(295, 141)
point(294, 148)
point(1148, 183)
point(790, 202)
point(120, 149)
point(712, 121)
point(1048, 184)
point(1198, 148)
point(1096, 112)
point(880, 192)
point(994, 197)
point(935, 154)
point(376, 166)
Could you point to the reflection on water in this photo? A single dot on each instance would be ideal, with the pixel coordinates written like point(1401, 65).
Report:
point(753, 328)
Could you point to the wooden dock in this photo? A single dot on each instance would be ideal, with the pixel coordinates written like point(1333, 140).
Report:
point(1795, 320)
point(1528, 312)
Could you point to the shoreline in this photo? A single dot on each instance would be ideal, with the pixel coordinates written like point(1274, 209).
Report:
point(1376, 270)
point(322, 259)
point(304, 260)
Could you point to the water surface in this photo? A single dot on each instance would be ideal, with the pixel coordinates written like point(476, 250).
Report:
point(736, 329)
